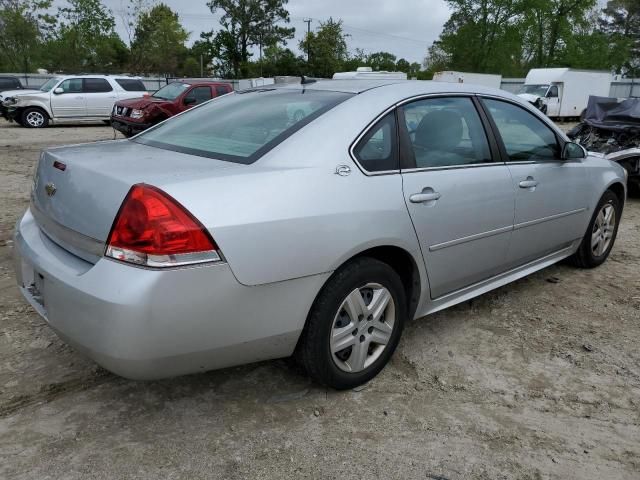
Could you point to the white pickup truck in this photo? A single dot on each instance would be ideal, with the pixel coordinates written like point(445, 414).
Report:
point(69, 98)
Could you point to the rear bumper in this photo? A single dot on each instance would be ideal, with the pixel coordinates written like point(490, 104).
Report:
point(147, 324)
point(127, 127)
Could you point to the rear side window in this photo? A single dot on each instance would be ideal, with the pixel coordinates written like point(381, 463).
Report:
point(525, 137)
point(445, 132)
point(96, 85)
point(222, 90)
point(200, 94)
point(131, 85)
point(377, 151)
point(9, 84)
point(241, 127)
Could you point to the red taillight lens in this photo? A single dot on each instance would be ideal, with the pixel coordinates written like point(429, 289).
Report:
point(153, 229)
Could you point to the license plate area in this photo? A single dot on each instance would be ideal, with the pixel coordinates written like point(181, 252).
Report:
point(33, 283)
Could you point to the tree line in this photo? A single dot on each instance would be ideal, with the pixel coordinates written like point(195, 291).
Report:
point(511, 36)
point(494, 36)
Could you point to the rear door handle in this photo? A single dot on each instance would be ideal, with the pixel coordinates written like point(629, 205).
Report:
point(424, 197)
point(529, 183)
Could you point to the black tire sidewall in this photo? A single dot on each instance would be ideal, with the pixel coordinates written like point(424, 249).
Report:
point(319, 359)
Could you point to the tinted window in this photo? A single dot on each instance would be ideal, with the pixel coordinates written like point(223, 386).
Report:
point(201, 94)
point(240, 127)
point(96, 85)
point(131, 85)
point(446, 132)
point(525, 137)
point(71, 85)
point(222, 90)
point(377, 151)
point(9, 84)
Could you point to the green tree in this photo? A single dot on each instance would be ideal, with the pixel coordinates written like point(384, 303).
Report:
point(85, 40)
point(382, 61)
point(620, 22)
point(159, 42)
point(246, 24)
point(327, 49)
point(24, 24)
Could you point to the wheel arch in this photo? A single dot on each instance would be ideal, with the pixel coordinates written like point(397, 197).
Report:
point(405, 265)
point(620, 191)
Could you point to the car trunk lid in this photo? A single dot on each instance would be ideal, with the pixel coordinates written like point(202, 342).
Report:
point(78, 190)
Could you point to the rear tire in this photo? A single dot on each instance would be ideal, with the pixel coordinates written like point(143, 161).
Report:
point(34, 118)
point(354, 325)
point(601, 233)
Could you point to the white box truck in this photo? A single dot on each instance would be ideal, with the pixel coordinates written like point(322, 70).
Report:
point(564, 92)
point(484, 79)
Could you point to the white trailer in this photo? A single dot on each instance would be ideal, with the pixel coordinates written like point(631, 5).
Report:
point(483, 79)
point(564, 92)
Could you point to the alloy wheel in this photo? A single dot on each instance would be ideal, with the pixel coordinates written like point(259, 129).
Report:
point(603, 229)
point(35, 119)
point(362, 327)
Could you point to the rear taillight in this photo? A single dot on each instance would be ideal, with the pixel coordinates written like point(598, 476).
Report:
point(154, 230)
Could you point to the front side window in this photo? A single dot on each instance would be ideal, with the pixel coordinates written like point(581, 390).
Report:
point(96, 85)
point(49, 84)
point(525, 137)
point(171, 91)
point(240, 127)
point(377, 151)
point(199, 94)
point(445, 132)
point(553, 92)
point(71, 85)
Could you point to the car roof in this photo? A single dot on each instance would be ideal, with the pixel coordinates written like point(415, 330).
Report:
point(94, 75)
point(193, 81)
point(400, 88)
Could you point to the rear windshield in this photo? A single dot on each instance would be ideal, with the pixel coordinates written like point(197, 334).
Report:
point(131, 84)
point(241, 127)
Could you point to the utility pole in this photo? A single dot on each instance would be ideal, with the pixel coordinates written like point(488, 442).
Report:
point(201, 67)
point(308, 22)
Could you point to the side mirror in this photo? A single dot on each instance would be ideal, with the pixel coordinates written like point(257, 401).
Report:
point(189, 100)
point(58, 91)
point(573, 151)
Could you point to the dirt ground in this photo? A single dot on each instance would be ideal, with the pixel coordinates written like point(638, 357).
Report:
point(536, 380)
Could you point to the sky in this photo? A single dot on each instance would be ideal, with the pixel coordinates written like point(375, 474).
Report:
point(405, 28)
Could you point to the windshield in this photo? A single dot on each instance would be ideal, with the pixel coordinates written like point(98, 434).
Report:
point(49, 85)
point(171, 91)
point(241, 127)
point(539, 90)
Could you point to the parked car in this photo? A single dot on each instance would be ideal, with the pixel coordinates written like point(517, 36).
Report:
point(235, 233)
point(135, 115)
point(9, 82)
point(69, 98)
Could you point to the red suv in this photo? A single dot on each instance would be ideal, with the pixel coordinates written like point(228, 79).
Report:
point(137, 114)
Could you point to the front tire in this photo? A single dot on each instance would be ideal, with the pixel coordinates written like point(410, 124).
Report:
point(354, 325)
point(601, 234)
point(34, 118)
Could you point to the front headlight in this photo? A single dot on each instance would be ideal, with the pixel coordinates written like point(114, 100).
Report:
point(135, 113)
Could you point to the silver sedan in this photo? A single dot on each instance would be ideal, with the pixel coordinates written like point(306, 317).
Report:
point(309, 220)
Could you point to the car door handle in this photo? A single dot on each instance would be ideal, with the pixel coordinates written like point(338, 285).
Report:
point(529, 183)
point(424, 197)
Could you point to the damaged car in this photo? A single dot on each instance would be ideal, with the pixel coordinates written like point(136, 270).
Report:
point(611, 127)
point(69, 98)
point(132, 116)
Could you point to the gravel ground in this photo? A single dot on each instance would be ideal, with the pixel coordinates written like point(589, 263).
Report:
point(539, 379)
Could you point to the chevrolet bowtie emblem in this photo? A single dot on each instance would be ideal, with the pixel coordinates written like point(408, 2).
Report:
point(51, 189)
